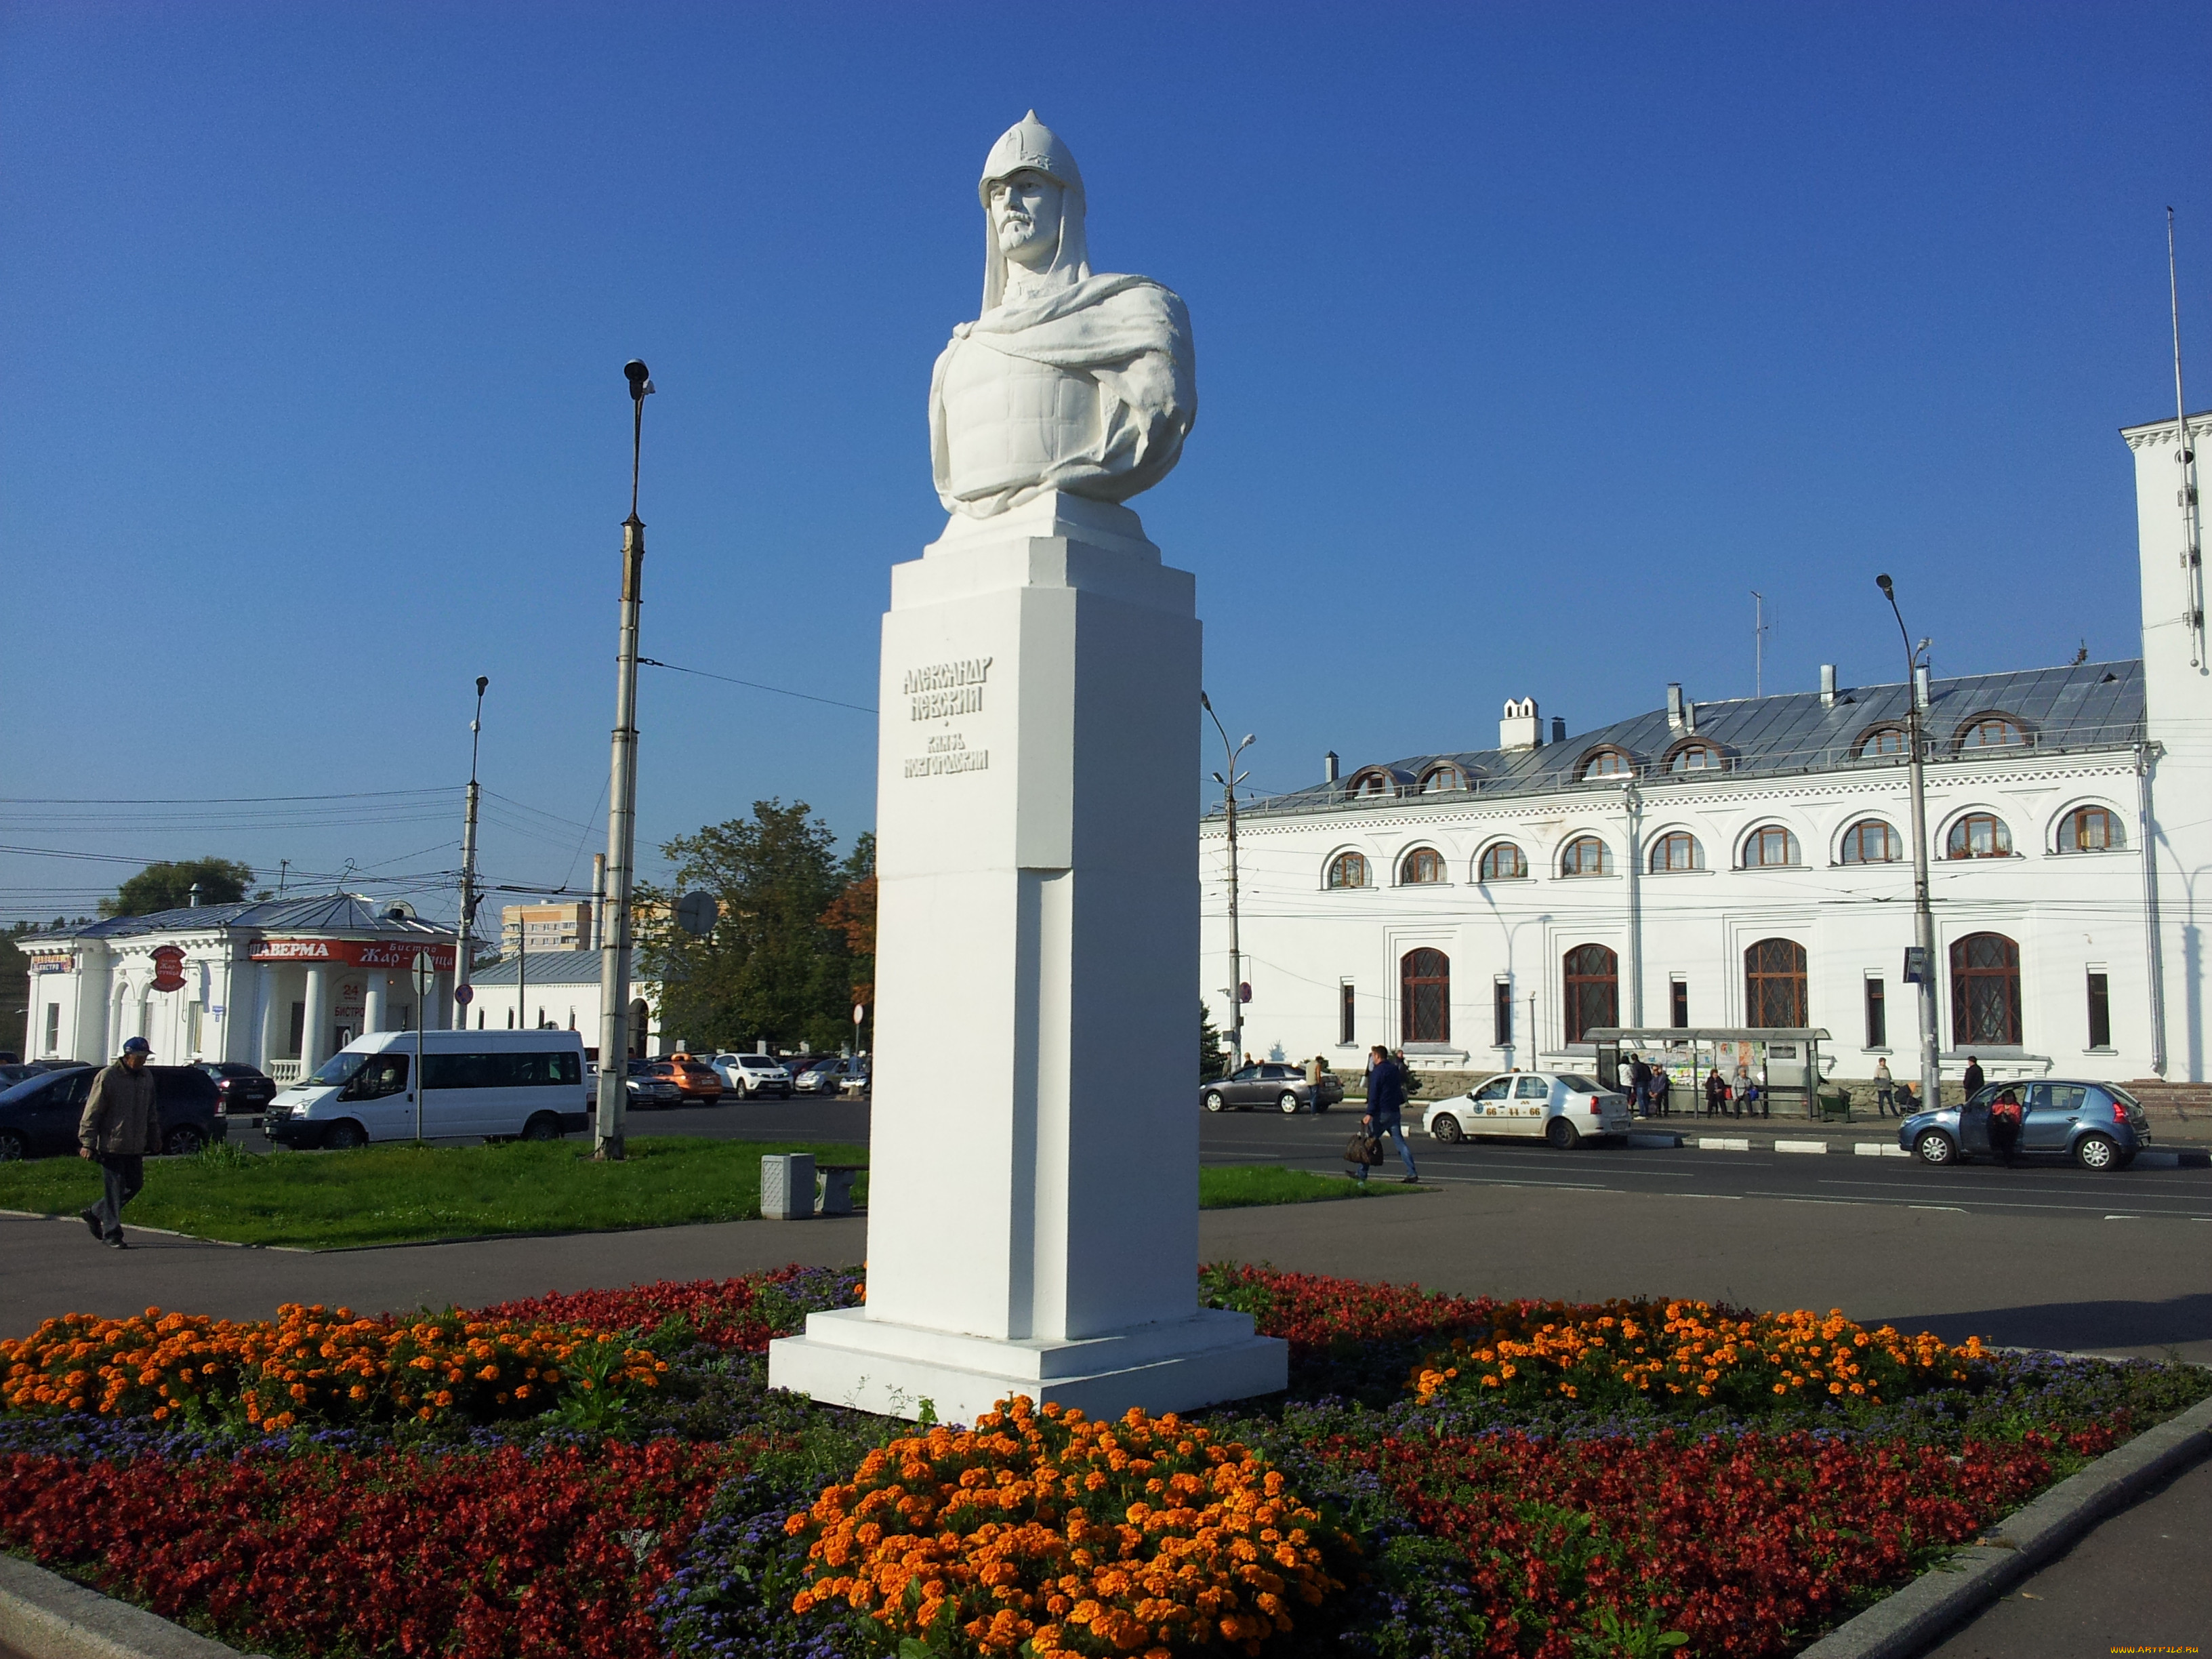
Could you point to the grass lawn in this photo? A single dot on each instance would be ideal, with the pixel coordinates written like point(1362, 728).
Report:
point(406, 1193)
point(1232, 1186)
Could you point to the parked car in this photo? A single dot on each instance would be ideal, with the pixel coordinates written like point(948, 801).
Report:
point(1270, 1084)
point(39, 1115)
point(827, 1078)
point(1564, 1108)
point(696, 1081)
point(496, 1084)
point(649, 1091)
point(243, 1090)
point(12, 1074)
point(753, 1075)
point(2100, 1126)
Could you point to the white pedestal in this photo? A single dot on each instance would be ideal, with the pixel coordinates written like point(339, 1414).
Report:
point(1033, 1182)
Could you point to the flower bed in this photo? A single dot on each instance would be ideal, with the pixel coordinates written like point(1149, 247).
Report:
point(1407, 1498)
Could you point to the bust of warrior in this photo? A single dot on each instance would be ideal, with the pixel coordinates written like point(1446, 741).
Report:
point(1068, 381)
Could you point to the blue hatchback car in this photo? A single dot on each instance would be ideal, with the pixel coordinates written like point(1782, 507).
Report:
point(2098, 1125)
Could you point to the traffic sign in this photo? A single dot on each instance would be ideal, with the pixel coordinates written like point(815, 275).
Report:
point(465, 994)
point(1244, 991)
point(425, 973)
point(697, 914)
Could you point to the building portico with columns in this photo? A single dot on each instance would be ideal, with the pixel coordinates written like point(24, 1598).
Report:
point(282, 984)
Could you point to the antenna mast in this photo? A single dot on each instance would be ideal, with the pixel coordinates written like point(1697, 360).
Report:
point(2192, 613)
point(1758, 643)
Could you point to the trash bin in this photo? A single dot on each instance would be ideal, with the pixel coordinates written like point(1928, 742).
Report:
point(787, 1185)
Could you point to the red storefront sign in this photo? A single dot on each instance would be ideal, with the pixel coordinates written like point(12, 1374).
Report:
point(168, 968)
point(354, 952)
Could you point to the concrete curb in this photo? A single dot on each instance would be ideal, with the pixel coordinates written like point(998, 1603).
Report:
point(1913, 1620)
point(44, 1615)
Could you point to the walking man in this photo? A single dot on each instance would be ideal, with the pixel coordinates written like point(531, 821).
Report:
point(1885, 1090)
point(1386, 1100)
point(1973, 1081)
point(119, 1127)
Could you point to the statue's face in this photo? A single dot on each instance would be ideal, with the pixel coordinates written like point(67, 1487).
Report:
point(1026, 217)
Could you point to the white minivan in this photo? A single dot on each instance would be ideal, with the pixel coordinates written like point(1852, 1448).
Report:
point(493, 1084)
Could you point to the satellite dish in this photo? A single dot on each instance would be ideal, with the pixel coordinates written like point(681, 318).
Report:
point(698, 912)
point(399, 910)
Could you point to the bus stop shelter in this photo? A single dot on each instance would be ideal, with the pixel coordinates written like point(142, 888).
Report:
point(1785, 1060)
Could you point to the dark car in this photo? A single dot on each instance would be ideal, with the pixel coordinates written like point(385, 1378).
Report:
point(2098, 1125)
point(647, 1089)
point(39, 1115)
point(1272, 1084)
point(241, 1091)
point(11, 1074)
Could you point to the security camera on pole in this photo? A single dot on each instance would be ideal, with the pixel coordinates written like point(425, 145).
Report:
point(615, 945)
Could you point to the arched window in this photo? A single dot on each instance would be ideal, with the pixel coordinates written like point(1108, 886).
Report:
point(2089, 829)
point(1425, 997)
point(1884, 740)
point(1774, 983)
point(1371, 783)
point(1593, 990)
point(1442, 779)
point(1422, 865)
point(1990, 732)
point(1586, 855)
point(1504, 862)
point(1678, 849)
point(1978, 836)
point(1695, 757)
point(1984, 991)
point(1770, 847)
point(1872, 841)
point(1347, 869)
point(1607, 763)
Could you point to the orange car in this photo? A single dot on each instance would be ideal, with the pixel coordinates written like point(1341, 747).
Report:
point(693, 1079)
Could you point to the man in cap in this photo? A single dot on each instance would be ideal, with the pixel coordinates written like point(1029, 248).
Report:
point(120, 1125)
point(1068, 381)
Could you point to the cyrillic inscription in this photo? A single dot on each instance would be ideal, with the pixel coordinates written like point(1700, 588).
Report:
point(946, 688)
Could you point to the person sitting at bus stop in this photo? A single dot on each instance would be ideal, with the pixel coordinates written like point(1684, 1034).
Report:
point(2004, 1124)
point(1716, 1092)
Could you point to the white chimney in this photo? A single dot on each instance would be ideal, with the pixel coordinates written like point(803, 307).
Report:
point(1329, 767)
point(1674, 715)
point(1920, 686)
point(1828, 685)
point(1520, 727)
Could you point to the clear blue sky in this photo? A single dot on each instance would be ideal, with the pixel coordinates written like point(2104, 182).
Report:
point(1530, 340)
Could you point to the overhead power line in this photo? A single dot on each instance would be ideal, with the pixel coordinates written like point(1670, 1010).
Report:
point(755, 685)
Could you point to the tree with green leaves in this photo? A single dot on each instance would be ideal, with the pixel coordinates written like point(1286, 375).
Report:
point(167, 886)
point(774, 967)
point(1212, 1062)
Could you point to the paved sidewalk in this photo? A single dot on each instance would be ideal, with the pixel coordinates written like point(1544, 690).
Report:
point(2138, 1584)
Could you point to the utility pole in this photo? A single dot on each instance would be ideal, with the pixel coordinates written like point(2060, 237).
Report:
point(615, 945)
point(465, 947)
point(2192, 557)
point(1924, 918)
point(521, 969)
point(1229, 779)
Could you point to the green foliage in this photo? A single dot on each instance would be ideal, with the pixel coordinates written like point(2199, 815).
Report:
point(15, 993)
point(774, 967)
point(404, 1193)
point(168, 886)
point(1239, 1186)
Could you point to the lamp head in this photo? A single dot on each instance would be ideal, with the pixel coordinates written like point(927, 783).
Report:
point(639, 379)
point(1249, 739)
point(482, 680)
point(1883, 583)
point(1206, 703)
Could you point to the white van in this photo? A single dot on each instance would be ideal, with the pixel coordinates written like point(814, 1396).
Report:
point(492, 1084)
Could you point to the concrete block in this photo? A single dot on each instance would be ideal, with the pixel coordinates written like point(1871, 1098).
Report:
point(787, 1185)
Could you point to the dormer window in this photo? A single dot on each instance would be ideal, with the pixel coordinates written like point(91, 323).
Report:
point(1695, 757)
point(1607, 763)
point(1442, 779)
point(1883, 742)
point(1990, 732)
point(1371, 782)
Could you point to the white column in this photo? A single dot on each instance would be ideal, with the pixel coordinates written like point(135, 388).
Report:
point(1033, 1221)
point(372, 1013)
point(266, 1032)
point(88, 1038)
point(314, 1040)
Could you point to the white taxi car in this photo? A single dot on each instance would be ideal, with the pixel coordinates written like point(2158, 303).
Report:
point(1563, 1108)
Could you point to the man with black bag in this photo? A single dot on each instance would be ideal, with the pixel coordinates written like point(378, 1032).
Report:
point(1386, 1101)
point(121, 1124)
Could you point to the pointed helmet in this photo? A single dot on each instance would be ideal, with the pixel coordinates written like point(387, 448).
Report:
point(1029, 144)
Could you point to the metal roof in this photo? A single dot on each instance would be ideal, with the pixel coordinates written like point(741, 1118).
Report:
point(545, 967)
point(2083, 705)
point(318, 913)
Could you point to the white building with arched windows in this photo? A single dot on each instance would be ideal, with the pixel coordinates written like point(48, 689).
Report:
point(1747, 863)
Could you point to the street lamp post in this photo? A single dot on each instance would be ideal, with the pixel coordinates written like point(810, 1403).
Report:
point(1229, 778)
point(465, 947)
point(1924, 918)
point(616, 943)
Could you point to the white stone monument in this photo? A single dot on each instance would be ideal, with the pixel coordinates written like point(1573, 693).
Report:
point(1033, 1196)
